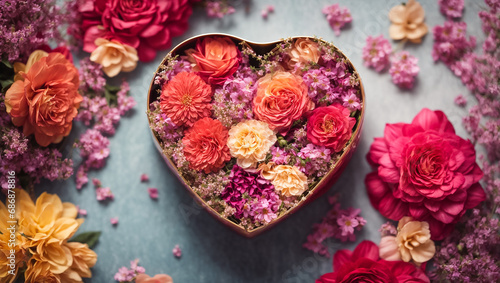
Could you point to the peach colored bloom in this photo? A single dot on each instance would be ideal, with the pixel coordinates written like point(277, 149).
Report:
point(47, 225)
point(288, 180)
point(47, 101)
point(408, 22)
point(281, 100)
point(302, 52)
point(266, 170)
point(19, 67)
point(205, 145)
point(413, 242)
point(186, 99)
point(215, 59)
point(114, 56)
point(158, 278)
point(250, 141)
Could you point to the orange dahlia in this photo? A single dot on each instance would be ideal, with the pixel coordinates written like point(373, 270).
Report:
point(186, 98)
point(205, 145)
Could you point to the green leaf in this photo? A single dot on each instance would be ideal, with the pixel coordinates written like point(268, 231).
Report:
point(90, 238)
point(5, 85)
point(7, 64)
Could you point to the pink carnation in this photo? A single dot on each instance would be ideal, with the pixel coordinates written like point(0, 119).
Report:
point(424, 170)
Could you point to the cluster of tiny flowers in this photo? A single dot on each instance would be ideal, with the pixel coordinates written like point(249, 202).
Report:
point(168, 132)
point(451, 42)
point(460, 100)
point(314, 161)
point(333, 83)
point(91, 77)
point(404, 69)
point(210, 186)
point(337, 17)
point(338, 223)
point(35, 162)
point(125, 275)
point(73, 17)
point(251, 196)
point(451, 8)
point(490, 20)
point(20, 34)
point(387, 229)
point(94, 149)
point(218, 9)
point(173, 67)
point(232, 103)
point(376, 52)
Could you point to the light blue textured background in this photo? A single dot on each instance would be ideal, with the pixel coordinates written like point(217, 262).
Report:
point(149, 229)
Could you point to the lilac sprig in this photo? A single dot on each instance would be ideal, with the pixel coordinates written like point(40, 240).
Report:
point(125, 275)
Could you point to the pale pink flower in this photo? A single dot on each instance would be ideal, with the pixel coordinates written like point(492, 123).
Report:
point(177, 251)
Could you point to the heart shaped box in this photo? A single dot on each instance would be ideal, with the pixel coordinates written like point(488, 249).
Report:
point(324, 185)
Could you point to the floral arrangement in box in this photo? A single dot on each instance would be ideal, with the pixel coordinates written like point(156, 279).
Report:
point(253, 134)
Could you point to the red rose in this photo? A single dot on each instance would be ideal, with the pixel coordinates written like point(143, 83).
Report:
point(147, 25)
point(426, 171)
point(215, 59)
point(364, 265)
point(330, 126)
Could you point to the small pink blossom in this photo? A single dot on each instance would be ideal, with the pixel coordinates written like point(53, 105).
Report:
point(82, 212)
point(153, 193)
point(104, 194)
point(337, 17)
point(270, 8)
point(451, 8)
point(144, 178)
point(263, 13)
point(177, 251)
point(114, 220)
point(460, 100)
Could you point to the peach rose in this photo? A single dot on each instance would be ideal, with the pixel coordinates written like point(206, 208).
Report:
point(287, 179)
point(215, 59)
point(158, 278)
point(47, 101)
point(19, 67)
point(281, 100)
point(303, 51)
point(413, 242)
point(114, 56)
point(249, 142)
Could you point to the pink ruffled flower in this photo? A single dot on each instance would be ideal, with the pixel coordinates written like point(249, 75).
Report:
point(424, 170)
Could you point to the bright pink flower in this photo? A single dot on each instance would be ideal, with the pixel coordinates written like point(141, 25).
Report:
point(363, 265)
point(114, 220)
point(144, 178)
point(426, 171)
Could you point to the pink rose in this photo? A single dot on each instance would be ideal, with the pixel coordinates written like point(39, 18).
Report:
point(426, 171)
point(147, 25)
point(330, 126)
point(281, 100)
point(215, 59)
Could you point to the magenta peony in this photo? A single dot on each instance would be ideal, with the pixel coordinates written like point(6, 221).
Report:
point(424, 170)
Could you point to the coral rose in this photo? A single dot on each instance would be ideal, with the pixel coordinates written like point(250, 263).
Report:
point(114, 56)
point(302, 52)
point(363, 265)
point(281, 99)
point(249, 142)
point(158, 278)
point(330, 126)
point(287, 179)
point(412, 242)
point(215, 59)
point(47, 101)
point(186, 98)
point(424, 170)
point(205, 145)
point(147, 25)
point(408, 22)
